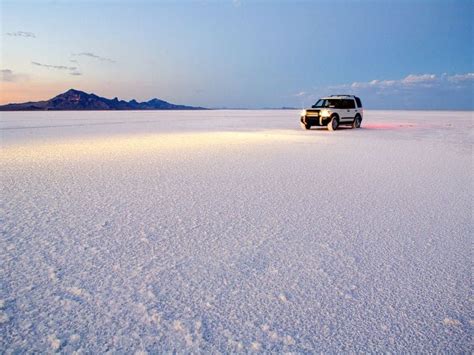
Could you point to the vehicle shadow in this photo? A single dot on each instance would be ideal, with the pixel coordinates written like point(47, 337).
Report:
point(325, 129)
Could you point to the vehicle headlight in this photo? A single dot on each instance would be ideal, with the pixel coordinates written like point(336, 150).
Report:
point(325, 113)
point(303, 113)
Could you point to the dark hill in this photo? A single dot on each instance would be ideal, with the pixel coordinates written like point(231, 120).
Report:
point(75, 100)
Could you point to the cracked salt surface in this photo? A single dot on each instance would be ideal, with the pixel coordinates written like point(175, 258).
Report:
point(235, 231)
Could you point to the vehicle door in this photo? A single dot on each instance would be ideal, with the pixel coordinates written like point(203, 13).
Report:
point(348, 110)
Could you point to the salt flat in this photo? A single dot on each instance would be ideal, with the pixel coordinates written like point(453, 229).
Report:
point(235, 231)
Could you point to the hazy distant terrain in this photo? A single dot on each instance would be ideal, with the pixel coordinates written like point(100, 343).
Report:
point(76, 100)
point(235, 231)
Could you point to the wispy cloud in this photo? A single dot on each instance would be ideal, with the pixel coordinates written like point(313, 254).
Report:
point(49, 66)
point(94, 56)
point(72, 70)
point(237, 3)
point(413, 81)
point(461, 78)
point(21, 34)
point(300, 94)
point(412, 91)
point(7, 75)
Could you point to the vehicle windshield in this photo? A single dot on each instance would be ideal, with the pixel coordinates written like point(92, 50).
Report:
point(333, 103)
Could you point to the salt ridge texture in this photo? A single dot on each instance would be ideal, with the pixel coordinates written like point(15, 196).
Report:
point(235, 231)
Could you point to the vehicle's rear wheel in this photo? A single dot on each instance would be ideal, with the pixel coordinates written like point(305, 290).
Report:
point(332, 126)
point(357, 122)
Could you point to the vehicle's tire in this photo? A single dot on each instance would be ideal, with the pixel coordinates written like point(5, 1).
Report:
point(357, 122)
point(305, 126)
point(333, 124)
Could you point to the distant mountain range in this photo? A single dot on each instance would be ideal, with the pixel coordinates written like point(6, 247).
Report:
point(75, 100)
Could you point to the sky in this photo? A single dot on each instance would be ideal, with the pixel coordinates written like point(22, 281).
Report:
point(241, 53)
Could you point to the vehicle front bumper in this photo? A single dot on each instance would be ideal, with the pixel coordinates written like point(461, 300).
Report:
point(315, 120)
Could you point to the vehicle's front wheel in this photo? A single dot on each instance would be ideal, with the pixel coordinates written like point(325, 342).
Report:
point(305, 126)
point(332, 126)
point(357, 122)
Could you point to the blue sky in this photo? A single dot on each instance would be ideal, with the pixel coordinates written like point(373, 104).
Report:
point(394, 54)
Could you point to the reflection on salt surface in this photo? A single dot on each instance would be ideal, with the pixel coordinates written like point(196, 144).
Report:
point(389, 126)
point(141, 143)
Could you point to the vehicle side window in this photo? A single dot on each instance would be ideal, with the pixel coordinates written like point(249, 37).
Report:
point(345, 104)
point(332, 103)
point(359, 103)
point(339, 103)
point(350, 104)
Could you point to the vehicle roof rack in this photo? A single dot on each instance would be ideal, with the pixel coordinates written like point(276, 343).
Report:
point(342, 95)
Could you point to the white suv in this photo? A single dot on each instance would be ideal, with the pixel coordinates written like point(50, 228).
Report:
point(334, 111)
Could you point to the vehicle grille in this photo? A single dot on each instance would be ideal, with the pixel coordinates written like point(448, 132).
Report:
point(312, 113)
